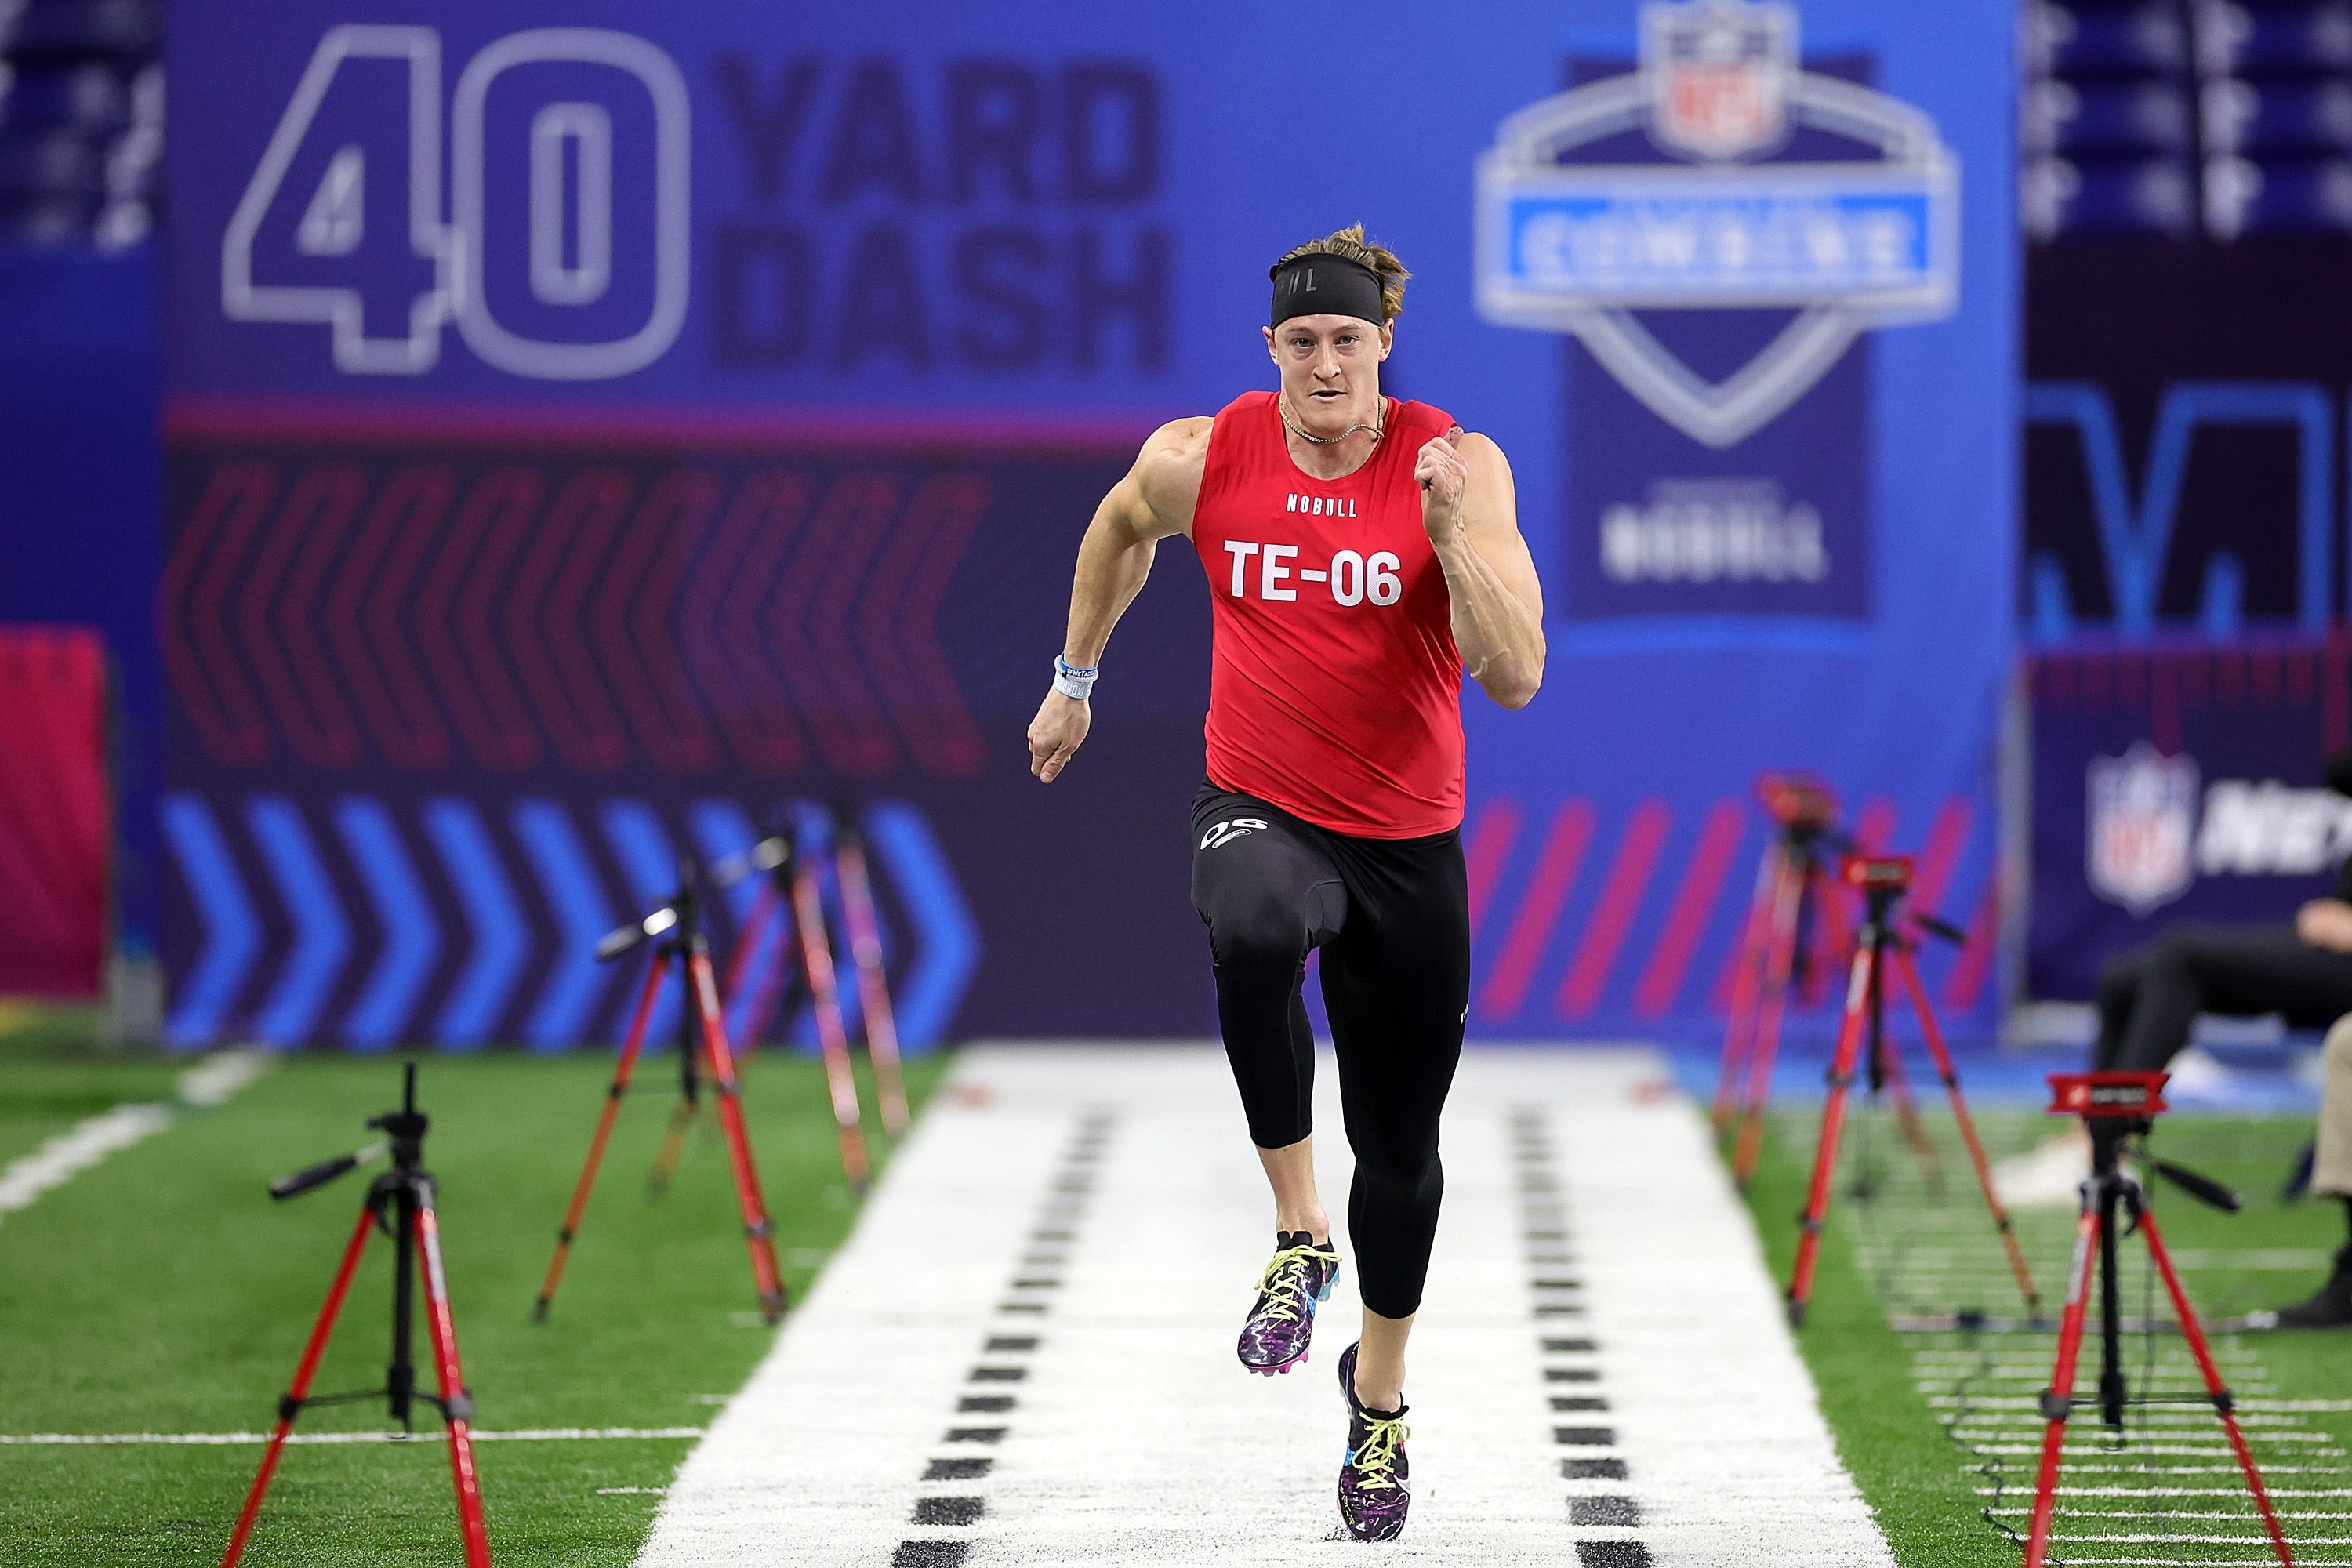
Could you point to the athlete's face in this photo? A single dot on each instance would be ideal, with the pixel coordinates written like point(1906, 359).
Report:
point(1330, 369)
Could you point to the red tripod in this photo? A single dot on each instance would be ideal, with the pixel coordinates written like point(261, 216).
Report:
point(850, 872)
point(1883, 881)
point(400, 1204)
point(677, 929)
point(2114, 1106)
point(792, 891)
point(1791, 882)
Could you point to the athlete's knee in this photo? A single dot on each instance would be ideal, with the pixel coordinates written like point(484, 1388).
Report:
point(1403, 1174)
point(1256, 931)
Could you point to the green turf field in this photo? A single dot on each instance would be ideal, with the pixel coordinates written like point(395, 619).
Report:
point(1928, 1489)
point(163, 1291)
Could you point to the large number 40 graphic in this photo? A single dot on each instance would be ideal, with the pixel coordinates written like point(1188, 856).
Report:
point(342, 224)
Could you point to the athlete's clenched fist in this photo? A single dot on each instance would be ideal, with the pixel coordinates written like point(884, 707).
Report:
point(1443, 477)
point(1056, 734)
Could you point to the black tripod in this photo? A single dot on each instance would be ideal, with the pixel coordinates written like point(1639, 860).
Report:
point(2115, 1106)
point(400, 1204)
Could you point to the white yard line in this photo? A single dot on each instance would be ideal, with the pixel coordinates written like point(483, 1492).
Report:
point(76, 1150)
point(209, 1083)
point(1037, 1311)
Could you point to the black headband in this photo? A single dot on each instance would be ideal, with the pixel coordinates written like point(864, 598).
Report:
point(1323, 285)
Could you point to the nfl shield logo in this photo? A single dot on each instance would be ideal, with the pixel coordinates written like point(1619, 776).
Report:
point(2142, 811)
point(1718, 74)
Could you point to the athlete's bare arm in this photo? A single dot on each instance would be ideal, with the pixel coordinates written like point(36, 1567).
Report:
point(1472, 512)
point(1154, 501)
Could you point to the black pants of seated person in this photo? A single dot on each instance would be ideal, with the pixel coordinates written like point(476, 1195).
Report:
point(2149, 998)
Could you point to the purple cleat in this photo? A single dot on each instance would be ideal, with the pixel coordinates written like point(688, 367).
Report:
point(1374, 1490)
point(1274, 1338)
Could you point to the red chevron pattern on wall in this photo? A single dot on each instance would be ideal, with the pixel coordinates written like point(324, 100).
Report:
point(775, 616)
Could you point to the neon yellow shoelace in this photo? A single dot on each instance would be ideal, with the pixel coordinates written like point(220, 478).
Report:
point(1375, 1462)
point(1285, 1281)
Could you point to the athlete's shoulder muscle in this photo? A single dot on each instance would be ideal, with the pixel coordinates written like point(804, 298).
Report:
point(1164, 486)
point(1490, 470)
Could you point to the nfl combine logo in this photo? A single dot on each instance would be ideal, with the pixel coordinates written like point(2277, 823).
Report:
point(1572, 239)
point(1719, 77)
point(2142, 823)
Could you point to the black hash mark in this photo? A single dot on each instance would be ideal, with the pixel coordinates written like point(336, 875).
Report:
point(930, 1554)
point(948, 1510)
point(956, 1469)
point(1593, 1469)
point(1604, 1510)
point(1612, 1554)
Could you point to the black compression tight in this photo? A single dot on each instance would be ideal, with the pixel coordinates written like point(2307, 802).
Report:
point(1391, 917)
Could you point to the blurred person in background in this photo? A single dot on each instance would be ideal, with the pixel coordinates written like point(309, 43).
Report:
point(2149, 999)
point(2331, 1176)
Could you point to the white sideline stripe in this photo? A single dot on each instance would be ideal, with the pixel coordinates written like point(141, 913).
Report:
point(1135, 1439)
point(209, 1083)
point(431, 1435)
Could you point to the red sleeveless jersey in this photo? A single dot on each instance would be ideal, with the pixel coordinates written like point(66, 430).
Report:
point(1336, 691)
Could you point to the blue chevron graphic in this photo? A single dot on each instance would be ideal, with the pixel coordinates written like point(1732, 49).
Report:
point(323, 933)
point(567, 1003)
point(501, 940)
point(412, 937)
point(947, 942)
point(232, 930)
point(650, 862)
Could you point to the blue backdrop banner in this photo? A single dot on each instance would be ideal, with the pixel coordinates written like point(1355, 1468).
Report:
point(595, 431)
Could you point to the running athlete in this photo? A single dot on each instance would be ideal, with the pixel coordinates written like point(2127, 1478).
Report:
point(1361, 554)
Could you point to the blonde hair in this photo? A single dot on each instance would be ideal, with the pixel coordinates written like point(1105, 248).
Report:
point(1349, 244)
